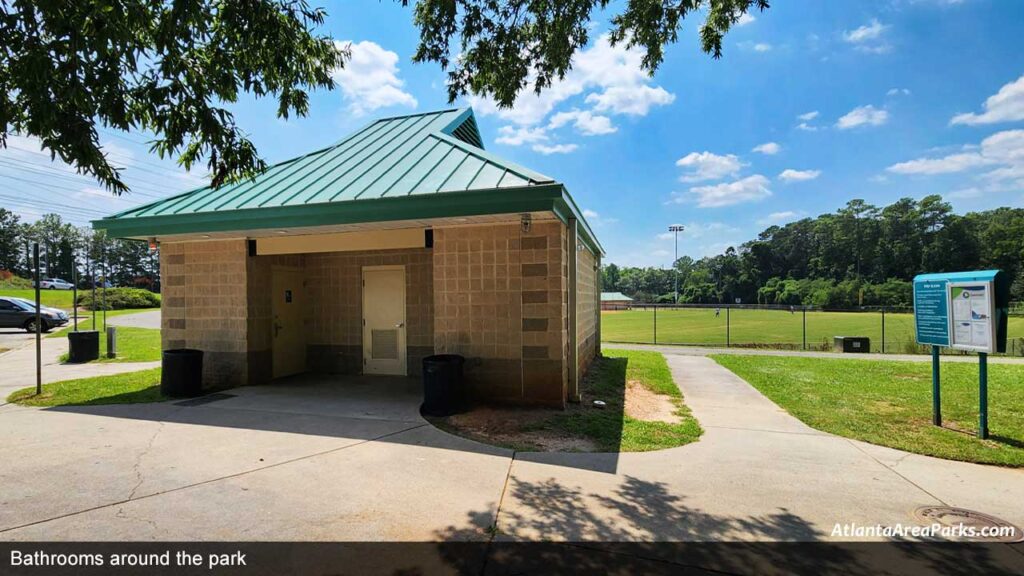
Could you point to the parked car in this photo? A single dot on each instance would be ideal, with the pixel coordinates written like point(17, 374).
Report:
point(21, 313)
point(53, 284)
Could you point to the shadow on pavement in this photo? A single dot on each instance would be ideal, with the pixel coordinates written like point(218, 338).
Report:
point(356, 407)
point(641, 528)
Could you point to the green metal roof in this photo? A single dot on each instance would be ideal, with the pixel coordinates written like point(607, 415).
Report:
point(421, 165)
point(615, 297)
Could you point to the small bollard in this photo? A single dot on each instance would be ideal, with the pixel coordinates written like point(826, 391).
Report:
point(111, 342)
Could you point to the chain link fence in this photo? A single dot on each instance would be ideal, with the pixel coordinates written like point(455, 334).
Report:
point(890, 330)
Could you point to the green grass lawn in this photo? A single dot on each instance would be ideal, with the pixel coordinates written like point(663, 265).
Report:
point(127, 388)
point(54, 298)
point(611, 429)
point(133, 345)
point(764, 327)
point(62, 299)
point(583, 427)
point(890, 403)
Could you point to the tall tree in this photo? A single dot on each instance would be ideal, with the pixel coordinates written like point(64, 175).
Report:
point(171, 67)
point(500, 48)
point(167, 67)
point(11, 248)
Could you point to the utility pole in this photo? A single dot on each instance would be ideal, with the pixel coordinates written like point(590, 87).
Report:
point(676, 229)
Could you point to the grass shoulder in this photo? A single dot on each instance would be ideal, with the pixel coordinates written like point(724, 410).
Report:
point(644, 410)
point(133, 345)
point(127, 388)
point(889, 403)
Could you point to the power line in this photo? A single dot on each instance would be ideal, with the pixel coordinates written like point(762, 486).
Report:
point(50, 187)
point(122, 137)
point(132, 163)
point(50, 172)
point(86, 212)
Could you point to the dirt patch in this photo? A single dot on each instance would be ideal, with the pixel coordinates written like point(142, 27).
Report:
point(643, 404)
point(516, 428)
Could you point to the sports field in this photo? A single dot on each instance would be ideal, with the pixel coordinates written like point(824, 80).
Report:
point(768, 328)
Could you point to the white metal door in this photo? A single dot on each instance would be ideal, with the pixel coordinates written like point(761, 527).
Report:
point(384, 320)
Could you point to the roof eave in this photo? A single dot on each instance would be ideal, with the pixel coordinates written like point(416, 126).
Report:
point(535, 198)
point(413, 207)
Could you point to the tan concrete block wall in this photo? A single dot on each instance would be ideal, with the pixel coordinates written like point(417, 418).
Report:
point(500, 301)
point(586, 309)
point(335, 313)
point(204, 305)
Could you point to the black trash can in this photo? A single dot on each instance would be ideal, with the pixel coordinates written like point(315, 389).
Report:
point(83, 346)
point(182, 373)
point(443, 391)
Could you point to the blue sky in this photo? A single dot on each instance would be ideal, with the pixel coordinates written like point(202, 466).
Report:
point(813, 104)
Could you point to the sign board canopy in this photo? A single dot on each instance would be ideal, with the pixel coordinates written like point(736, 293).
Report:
point(962, 310)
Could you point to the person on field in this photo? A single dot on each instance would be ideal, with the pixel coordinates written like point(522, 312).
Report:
point(717, 312)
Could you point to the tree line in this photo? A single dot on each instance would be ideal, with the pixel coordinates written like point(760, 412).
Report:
point(861, 255)
point(67, 251)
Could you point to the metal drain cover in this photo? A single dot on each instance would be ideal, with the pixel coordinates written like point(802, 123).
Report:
point(972, 521)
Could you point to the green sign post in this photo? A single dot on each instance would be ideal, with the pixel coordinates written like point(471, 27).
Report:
point(963, 311)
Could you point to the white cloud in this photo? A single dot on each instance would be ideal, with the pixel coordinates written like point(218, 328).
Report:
point(596, 220)
point(608, 79)
point(586, 122)
point(945, 165)
point(868, 38)
point(768, 148)
point(517, 136)
point(369, 80)
point(863, 116)
point(808, 116)
point(761, 47)
point(745, 19)
point(749, 189)
point(781, 217)
point(708, 166)
point(865, 33)
point(554, 148)
point(791, 175)
point(1007, 105)
point(898, 92)
point(632, 100)
point(965, 193)
point(806, 127)
point(1003, 151)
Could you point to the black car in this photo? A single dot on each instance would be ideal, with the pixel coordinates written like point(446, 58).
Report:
point(19, 313)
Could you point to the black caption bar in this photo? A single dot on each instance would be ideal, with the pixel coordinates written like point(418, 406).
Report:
point(503, 558)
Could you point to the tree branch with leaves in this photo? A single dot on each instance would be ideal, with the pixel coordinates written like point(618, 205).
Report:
point(67, 68)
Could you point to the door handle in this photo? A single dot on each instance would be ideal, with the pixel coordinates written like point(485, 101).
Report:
point(400, 325)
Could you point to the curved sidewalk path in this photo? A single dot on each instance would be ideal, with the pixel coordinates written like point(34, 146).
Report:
point(18, 366)
point(757, 473)
point(680, 350)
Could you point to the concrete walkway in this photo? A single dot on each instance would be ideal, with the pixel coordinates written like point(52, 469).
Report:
point(350, 459)
point(705, 351)
point(18, 367)
point(757, 473)
point(149, 319)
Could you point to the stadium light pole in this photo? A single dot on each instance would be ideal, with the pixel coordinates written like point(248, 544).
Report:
point(676, 229)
